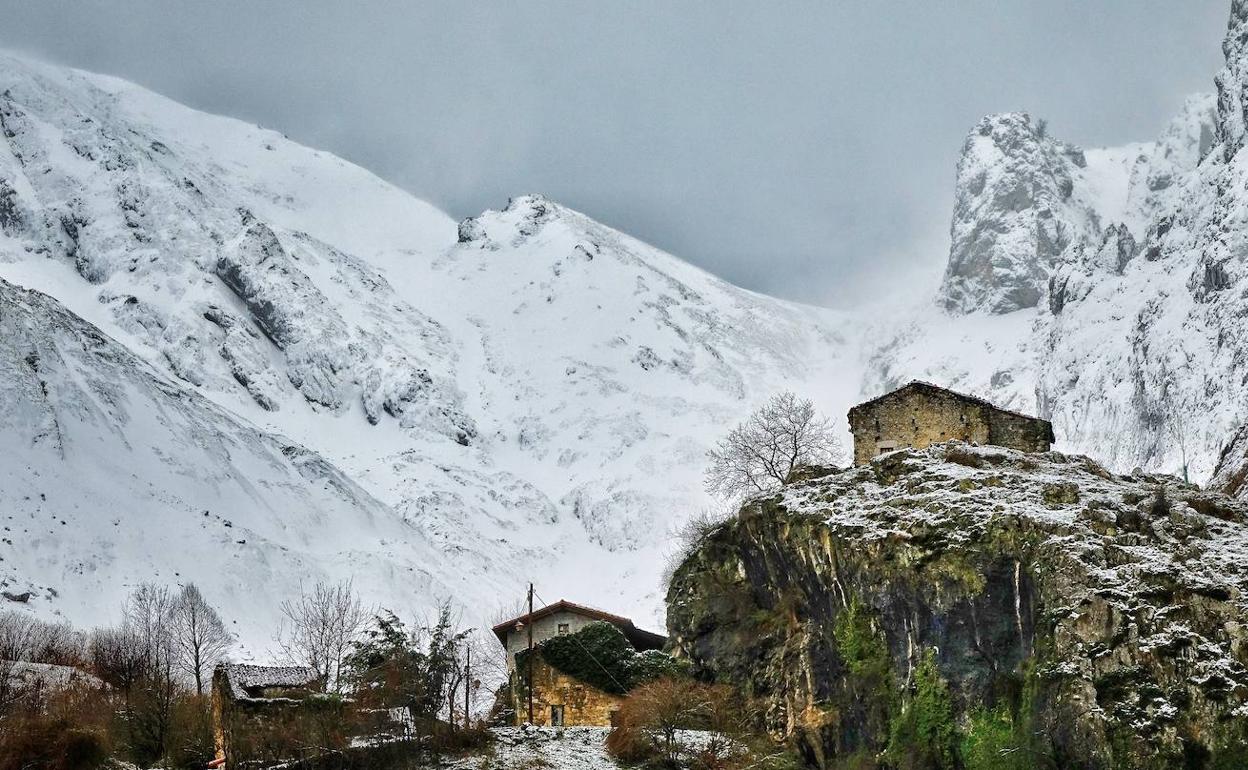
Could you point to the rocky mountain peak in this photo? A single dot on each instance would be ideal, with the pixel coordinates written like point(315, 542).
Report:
point(1014, 215)
point(523, 216)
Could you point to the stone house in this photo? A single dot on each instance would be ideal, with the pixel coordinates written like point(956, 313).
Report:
point(560, 699)
point(921, 414)
point(252, 706)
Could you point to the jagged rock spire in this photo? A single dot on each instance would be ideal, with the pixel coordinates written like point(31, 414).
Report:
point(1232, 81)
point(1010, 221)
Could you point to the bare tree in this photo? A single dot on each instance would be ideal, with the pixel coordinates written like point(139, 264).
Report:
point(117, 657)
point(486, 672)
point(17, 637)
point(320, 627)
point(149, 703)
point(200, 638)
point(149, 616)
point(760, 453)
point(58, 644)
point(25, 639)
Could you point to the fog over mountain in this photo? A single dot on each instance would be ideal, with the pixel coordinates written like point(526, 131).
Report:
point(803, 151)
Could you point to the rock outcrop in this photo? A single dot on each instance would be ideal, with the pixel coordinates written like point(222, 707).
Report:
point(1232, 82)
point(1230, 477)
point(1099, 619)
point(1016, 213)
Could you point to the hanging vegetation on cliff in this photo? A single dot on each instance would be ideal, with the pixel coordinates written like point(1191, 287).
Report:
point(938, 607)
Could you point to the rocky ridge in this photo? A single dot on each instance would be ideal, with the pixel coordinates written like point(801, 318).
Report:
point(1108, 610)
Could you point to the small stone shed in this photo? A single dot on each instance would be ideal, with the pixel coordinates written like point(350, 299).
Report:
point(559, 698)
point(920, 414)
point(252, 704)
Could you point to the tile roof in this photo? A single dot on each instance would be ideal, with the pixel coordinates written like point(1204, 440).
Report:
point(640, 638)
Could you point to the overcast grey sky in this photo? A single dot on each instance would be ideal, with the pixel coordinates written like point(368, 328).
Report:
point(805, 149)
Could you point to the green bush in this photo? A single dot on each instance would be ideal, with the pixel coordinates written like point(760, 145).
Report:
point(993, 742)
point(600, 655)
point(923, 734)
point(860, 646)
point(864, 651)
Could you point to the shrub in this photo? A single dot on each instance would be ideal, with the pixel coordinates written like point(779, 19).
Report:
point(690, 536)
point(993, 742)
point(650, 723)
point(923, 733)
point(190, 735)
point(865, 654)
point(651, 717)
point(61, 729)
point(53, 744)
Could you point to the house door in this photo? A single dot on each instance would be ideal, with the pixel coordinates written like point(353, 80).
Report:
point(556, 716)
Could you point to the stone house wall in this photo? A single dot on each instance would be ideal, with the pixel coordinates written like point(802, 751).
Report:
point(920, 415)
point(915, 418)
point(543, 629)
point(1019, 432)
point(583, 704)
point(270, 724)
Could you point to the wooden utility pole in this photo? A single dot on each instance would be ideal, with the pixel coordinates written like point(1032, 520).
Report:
point(528, 659)
point(467, 687)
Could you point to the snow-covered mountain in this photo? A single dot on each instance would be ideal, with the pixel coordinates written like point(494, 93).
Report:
point(1100, 288)
point(114, 474)
point(235, 328)
point(234, 359)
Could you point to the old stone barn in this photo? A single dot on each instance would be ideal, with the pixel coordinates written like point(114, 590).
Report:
point(584, 663)
point(921, 414)
point(263, 713)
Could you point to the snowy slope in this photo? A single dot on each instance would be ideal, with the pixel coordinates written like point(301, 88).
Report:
point(528, 395)
point(113, 474)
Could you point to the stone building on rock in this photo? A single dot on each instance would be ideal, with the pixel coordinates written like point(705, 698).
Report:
point(921, 414)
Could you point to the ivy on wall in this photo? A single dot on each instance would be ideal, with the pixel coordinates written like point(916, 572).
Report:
point(600, 655)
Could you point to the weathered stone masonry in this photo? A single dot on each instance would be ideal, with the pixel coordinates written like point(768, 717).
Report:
point(921, 414)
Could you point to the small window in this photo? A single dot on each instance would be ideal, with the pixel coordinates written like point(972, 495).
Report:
point(563, 629)
point(556, 716)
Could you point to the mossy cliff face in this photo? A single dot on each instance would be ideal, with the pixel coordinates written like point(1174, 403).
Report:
point(913, 611)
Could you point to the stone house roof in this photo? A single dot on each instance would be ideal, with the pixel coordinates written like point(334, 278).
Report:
point(247, 682)
point(924, 385)
point(639, 638)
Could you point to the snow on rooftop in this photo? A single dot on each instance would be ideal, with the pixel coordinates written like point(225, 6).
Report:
point(245, 678)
